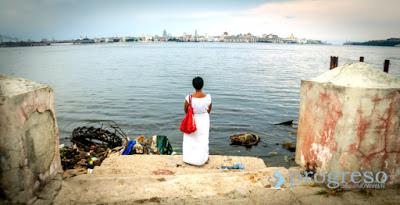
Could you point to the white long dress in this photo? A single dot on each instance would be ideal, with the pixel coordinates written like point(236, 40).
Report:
point(195, 145)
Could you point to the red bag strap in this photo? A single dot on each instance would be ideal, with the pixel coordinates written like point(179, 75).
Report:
point(190, 99)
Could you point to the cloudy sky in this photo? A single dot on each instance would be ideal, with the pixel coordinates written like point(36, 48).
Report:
point(331, 20)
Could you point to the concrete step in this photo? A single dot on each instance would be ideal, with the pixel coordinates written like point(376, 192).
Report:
point(138, 179)
point(138, 184)
point(92, 189)
point(142, 165)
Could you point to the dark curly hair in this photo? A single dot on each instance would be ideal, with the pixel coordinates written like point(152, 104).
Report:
point(198, 83)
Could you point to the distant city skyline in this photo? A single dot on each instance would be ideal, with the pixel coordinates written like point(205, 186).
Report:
point(163, 33)
point(332, 21)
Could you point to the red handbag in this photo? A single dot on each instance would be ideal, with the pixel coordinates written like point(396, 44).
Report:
point(188, 125)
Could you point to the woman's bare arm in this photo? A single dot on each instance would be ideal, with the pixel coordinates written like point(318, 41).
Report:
point(185, 106)
point(209, 108)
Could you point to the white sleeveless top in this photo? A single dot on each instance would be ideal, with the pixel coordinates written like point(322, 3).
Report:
point(200, 105)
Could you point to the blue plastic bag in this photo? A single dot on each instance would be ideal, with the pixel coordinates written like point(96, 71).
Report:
point(129, 147)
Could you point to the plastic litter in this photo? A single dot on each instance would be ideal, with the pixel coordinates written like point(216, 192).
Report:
point(236, 165)
point(163, 145)
point(129, 147)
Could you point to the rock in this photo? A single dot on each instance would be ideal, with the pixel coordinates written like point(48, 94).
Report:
point(291, 146)
point(273, 153)
point(245, 139)
point(288, 123)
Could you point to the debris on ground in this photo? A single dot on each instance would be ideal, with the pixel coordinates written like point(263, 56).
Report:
point(245, 139)
point(163, 172)
point(91, 145)
point(157, 144)
point(235, 166)
point(228, 164)
point(89, 136)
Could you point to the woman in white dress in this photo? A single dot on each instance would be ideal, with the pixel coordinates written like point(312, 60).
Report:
point(195, 145)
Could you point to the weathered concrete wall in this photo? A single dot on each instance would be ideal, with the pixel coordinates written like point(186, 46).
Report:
point(29, 137)
point(347, 129)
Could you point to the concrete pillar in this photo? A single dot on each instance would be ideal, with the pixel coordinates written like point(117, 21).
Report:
point(30, 166)
point(349, 120)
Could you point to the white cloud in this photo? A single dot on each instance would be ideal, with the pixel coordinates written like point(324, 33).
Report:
point(340, 19)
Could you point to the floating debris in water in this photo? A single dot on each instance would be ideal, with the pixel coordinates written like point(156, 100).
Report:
point(245, 139)
point(288, 123)
point(291, 146)
point(273, 153)
point(286, 158)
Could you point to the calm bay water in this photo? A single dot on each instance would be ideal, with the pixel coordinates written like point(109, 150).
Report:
point(142, 86)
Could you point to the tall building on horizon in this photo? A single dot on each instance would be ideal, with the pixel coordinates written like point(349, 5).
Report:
point(165, 35)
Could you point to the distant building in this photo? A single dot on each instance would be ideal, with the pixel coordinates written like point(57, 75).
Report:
point(291, 39)
point(165, 35)
point(309, 41)
point(116, 39)
point(130, 39)
point(84, 41)
point(246, 38)
point(270, 38)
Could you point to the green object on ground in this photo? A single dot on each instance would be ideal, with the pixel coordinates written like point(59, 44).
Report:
point(163, 145)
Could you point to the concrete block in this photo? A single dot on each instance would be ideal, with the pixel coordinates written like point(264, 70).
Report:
point(29, 138)
point(351, 122)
